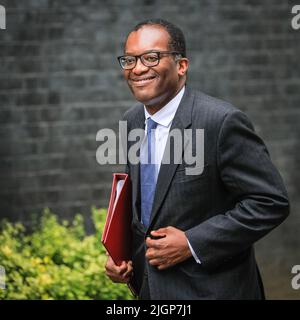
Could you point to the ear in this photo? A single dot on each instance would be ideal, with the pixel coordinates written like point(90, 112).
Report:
point(182, 66)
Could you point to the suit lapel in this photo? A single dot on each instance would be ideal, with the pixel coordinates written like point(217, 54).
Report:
point(138, 123)
point(181, 121)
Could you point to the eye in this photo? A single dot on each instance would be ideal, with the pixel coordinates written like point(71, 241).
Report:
point(128, 60)
point(150, 57)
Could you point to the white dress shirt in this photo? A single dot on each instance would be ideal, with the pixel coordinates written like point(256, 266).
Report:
point(163, 118)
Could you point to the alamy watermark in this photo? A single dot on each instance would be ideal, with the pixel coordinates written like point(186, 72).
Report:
point(2, 277)
point(2, 18)
point(296, 279)
point(182, 145)
point(295, 22)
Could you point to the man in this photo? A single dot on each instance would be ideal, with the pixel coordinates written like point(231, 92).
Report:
point(193, 235)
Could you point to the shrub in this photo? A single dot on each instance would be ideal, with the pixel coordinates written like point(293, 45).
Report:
point(56, 261)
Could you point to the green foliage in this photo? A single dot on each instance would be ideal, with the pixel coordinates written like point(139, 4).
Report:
point(56, 261)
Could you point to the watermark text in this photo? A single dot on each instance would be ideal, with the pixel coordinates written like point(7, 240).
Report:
point(296, 279)
point(295, 22)
point(2, 277)
point(2, 18)
point(182, 146)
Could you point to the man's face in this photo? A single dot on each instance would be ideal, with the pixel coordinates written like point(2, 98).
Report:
point(152, 86)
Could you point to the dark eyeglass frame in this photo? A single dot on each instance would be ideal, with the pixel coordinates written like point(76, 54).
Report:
point(140, 56)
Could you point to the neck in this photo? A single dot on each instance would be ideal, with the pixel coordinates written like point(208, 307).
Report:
point(154, 107)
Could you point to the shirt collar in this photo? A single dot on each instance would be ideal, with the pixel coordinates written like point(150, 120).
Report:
point(166, 114)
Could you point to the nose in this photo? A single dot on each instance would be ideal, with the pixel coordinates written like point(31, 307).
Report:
point(140, 68)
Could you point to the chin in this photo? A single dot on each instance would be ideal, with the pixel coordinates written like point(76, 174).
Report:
point(143, 96)
point(144, 100)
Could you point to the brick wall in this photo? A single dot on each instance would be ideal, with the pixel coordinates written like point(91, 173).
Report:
point(60, 83)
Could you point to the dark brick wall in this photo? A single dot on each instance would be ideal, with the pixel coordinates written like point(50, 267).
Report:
point(60, 84)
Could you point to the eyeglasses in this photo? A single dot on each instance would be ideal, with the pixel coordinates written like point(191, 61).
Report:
point(148, 59)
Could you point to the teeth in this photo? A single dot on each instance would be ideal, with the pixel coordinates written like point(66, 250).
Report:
point(145, 79)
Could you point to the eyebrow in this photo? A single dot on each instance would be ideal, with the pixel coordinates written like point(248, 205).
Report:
point(147, 51)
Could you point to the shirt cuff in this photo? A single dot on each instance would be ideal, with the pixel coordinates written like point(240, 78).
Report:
point(193, 252)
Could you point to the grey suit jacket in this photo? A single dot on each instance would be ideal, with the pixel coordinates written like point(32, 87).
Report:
point(238, 198)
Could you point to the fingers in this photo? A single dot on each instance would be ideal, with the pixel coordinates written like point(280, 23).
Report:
point(127, 275)
point(157, 261)
point(151, 254)
point(152, 243)
point(160, 262)
point(155, 246)
point(122, 268)
point(112, 267)
point(163, 266)
point(120, 273)
point(160, 232)
point(168, 250)
point(155, 258)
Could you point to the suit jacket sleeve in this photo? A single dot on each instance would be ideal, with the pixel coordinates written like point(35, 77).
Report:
point(261, 204)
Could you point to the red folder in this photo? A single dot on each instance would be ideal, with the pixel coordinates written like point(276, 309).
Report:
point(116, 236)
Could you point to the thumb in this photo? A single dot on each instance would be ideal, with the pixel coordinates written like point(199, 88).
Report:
point(159, 232)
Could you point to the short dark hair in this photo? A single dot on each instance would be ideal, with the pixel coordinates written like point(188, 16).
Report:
point(177, 40)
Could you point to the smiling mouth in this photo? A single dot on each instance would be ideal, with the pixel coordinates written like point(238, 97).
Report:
point(142, 81)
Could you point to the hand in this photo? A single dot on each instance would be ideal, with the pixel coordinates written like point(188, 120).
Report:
point(171, 249)
point(120, 274)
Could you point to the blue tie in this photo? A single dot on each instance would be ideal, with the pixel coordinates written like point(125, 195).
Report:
point(148, 177)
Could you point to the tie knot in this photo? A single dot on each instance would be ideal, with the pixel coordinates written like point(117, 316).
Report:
point(151, 124)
